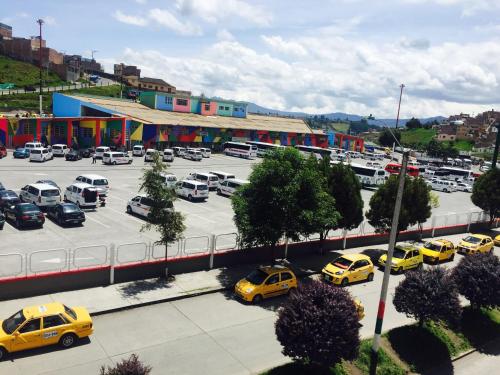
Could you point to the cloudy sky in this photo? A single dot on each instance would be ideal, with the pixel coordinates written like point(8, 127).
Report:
point(316, 56)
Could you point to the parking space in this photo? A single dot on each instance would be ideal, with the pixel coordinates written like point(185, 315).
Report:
point(111, 224)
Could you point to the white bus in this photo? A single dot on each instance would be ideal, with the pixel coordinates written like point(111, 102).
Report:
point(319, 152)
point(263, 147)
point(454, 174)
point(369, 176)
point(241, 150)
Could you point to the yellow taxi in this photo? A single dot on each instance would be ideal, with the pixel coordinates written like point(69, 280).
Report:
point(435, 251)
point(348, 268)
point(497, 240)
point(405, 257)
point(41, 325)
point(475, 243)
point(265, 282)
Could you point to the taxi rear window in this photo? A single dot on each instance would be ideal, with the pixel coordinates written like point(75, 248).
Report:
point(70, 312)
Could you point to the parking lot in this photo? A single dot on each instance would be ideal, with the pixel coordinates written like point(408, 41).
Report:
point(111, 224)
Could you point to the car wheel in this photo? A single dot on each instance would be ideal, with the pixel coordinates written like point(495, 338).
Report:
point(190, 198)
point(65, 198)
point(3, 354)
point(1, 227)
point(18, 223)
point(218, 192)
point(398, 270)
point(370, 277)
point(445, 190)
point(114, 163)
point(67, 340)
point(129, 210)
point(344, 281)
point(257, 299)
point(452, 257)
point(291, 291)
point(420, 266)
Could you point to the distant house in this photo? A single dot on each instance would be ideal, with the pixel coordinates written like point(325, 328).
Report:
point(447, 133)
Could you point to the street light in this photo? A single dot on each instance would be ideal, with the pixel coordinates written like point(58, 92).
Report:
point(497, 144)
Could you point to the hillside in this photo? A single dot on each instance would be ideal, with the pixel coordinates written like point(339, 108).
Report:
point(22, 74)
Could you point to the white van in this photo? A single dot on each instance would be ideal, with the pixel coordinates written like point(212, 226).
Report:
point(31, 145)
point(40, 154)
point(193, 154)
point(228, 187)
point(59, 150)
point(42, 195)
point(223, 176)
point(443, 185)
point(82, 194)
point(207, 178)
point(138, 150)
point(205, 152)
point(116, 157)
point(179, 151)
point(191, 190)
point(99, 151)
point(149, 154)
point(168, 155)
point(99, 182)
point(169, 179)
point(141, 205)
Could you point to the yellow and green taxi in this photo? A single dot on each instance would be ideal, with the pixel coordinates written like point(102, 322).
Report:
point(348, 268)
point(497, 240)
point(475, 243)
point(265, 282)
point(435, 251)
point(405, 257)
point(41, 325)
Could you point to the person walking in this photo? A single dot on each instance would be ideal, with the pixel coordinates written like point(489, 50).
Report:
point(93, 158)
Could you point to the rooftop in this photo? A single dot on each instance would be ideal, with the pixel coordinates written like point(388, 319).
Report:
point(155, 81)
point(146, 115)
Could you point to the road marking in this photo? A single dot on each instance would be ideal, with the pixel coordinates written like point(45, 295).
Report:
point(97, 221)
point(40, 174)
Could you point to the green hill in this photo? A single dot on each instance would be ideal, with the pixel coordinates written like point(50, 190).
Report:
point(417, 136)
point(22, 74)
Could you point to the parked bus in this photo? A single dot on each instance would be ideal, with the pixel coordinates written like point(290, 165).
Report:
point(263, 147)
point(369, 176)
point(319, 152)
point(455, 173)
point(395, 168)
point(241, 150)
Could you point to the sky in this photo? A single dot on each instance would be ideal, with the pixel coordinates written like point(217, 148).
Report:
point(315, 56)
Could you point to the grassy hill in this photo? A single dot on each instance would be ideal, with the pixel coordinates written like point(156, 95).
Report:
point(22, 74)
point(416, 136)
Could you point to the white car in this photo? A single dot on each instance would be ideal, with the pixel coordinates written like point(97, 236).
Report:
point(99, 151)
point(82, 194)
point(205, 152)
point(168, 155)
point(462, 186)
point(373, 164)
point(170, 179)
point(141, 205)
point(223, 176)
point(116, 157)
point(99, 182)
point(42, 195)
point(207, 178)
point(59, 150)
point(192, 190)
point(228, 187)
point(148, 156)
point(31, 145)
point(192, 154)
point(41, 154)
point(443, 185)
point(179, 151)
point(138, 150)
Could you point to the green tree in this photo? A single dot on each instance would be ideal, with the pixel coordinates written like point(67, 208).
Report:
point(486, 193)
point(413, 123)
point(386, 139)
point(162, 216)
point(434, 148)
point(415, 206)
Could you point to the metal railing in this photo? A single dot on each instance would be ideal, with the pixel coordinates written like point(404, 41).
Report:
point(46, 89)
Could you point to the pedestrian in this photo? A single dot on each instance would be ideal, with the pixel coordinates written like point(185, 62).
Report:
point(93, 158)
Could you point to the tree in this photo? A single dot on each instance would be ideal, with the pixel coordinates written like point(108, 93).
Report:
point(162, 216)
point(428, 294)
point(486, 193)
point(386, 138)
point(413, 123)
point(128, 366)
point(434, 148)
point(477, 277)
point(319, 324)
point(415, 206)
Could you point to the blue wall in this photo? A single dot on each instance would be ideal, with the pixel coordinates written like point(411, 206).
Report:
point(63, 106)
point(161, 103)
point(239, 111)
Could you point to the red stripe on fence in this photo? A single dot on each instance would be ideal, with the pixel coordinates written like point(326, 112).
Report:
point(54, 273)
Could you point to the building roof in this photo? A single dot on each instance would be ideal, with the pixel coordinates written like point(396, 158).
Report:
point(146, 115)
point(154, 81)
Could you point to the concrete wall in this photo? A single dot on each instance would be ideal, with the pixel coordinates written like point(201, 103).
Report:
point(64, 106)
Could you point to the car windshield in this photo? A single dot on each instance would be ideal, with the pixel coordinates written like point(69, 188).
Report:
point(472, 239)
point(342, 262)
point(256, 277)
point(9, 325)
point(8, 194)
point(432, 246)
point(50, 193)
point(29, 207)
point(100, 182)
point(202, 187)
point(70, 208)
point(214, 178)
point(399, 253)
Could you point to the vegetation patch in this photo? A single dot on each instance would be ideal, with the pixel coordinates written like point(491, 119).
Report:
point(417, 136)
point(23, 74)
point(386, 366)
point(297, 368)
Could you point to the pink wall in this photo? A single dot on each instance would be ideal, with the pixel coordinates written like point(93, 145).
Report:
point(212, 111)
point(181, 108)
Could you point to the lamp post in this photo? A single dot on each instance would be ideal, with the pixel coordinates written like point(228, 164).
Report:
point(497, 144)
point(40, 22)
point(399, 105)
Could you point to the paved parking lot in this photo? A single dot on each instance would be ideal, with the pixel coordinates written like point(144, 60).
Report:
point(110, 224)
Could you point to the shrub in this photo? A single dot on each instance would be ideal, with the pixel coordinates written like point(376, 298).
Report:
point(129, 366)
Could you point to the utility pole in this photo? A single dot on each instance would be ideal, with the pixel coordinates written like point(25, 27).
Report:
point(497, 144)
point(40, 22)
point(387, 270)
point(92, 53)
point(399, 105)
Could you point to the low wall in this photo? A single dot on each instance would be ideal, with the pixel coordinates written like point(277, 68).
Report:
point(27, 286)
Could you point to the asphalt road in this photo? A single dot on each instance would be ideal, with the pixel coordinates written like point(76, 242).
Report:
point(210, 334)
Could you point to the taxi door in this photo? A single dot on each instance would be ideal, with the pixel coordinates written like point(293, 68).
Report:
point(364, 269)
point(447, 252)
point(354, 272)
point(53, 328)
point(27, 336)
point(271, 286)
point(486, 245)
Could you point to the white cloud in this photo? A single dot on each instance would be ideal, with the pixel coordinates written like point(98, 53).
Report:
point(141, 1)
point(215, 11)
point(129, 19)
point(469, 7)
point(168, 20)
point(49, 20)
point(224, 34)
point(280, 45)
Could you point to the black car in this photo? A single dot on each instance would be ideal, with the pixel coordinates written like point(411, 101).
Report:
point(25, 214)
point(8, 198)
point(2, 220)
point(73, 155)
point(86, 152)
point(29, 88)
point(1, 187)
point(66, 213)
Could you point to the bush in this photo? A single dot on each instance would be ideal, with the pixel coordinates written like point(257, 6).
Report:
point(428, 295)
point(129, 366)
point(477, 277)
point(319, 325)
